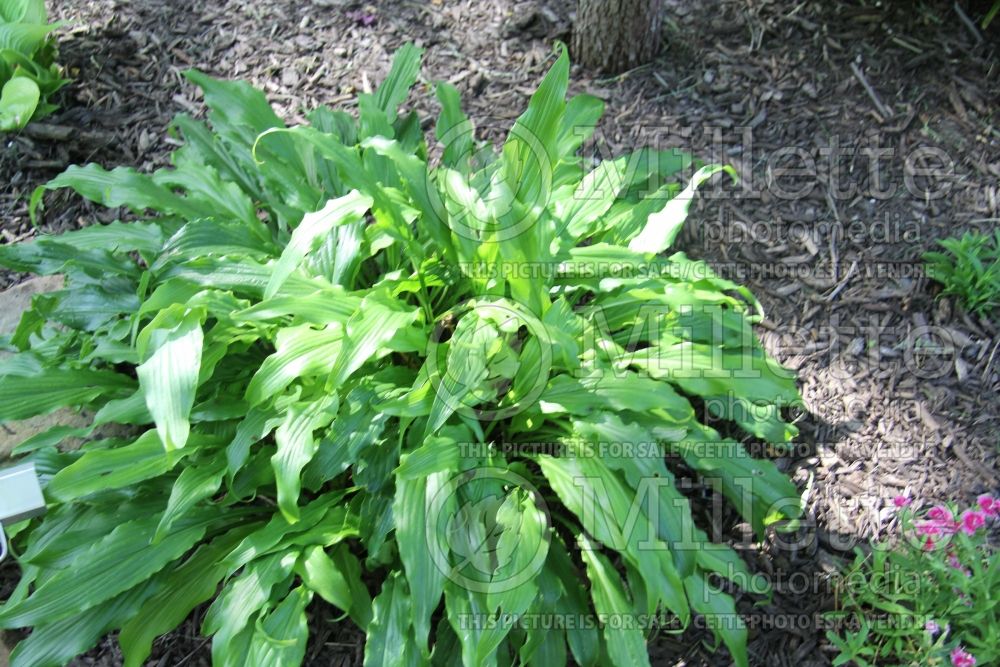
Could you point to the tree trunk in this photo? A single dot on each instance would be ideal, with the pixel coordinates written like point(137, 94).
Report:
point(616, 35)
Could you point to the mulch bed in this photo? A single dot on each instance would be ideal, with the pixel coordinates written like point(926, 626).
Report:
point(892, 106)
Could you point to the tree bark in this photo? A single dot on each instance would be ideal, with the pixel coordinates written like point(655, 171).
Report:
point(617, 35)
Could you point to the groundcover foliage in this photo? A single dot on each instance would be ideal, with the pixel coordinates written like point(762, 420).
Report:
point(28, 73)
point(347, 373)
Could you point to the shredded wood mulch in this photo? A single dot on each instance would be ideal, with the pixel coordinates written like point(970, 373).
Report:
point(863, 132)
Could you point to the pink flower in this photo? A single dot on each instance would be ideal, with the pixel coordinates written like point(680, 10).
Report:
point(932, 627)
point(954, 562)
point(972, 520)
point(989, 505)
point(940, 513)
point(962, 658)
point(902, 501)
point(935, 528)
point(929, 544)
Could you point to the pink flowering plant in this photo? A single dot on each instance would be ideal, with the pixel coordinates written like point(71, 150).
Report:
point(931, 596)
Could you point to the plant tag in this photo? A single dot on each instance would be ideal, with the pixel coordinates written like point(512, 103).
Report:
point(20, 494)
point(20, 498)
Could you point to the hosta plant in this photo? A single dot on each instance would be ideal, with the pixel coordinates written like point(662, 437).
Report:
point(443, 397)
point(28, 73)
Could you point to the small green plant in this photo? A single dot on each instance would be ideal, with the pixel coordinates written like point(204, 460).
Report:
point(853, 646)
point(930, 599)
point(348, 372)
point(969, 270)
point(28, 73)
point(991, 14)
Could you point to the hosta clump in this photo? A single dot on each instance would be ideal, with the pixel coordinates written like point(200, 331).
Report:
point(348, 373)
point(28, 73)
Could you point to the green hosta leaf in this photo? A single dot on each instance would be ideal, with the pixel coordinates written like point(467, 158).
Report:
point(322, 307)
point(390, 637)
point(320, 574)
point(396, 86)
point(297, 446)
point(113, 468)
point(56, 644)
point(721, 614)
point(181, 590)
point(212, 237)
point(454, 129)
point(613, 514)
point(437, 454)
point(22, 11)
point(18, 101)
point(583, 639)
point(23, 396)
point(377, 321)
point(25, 38)
point(626, 645)
point(193, 485)
point(465, 370)
point(424, 575)
point(315, 226)
point(520, 553)
point(705, 370)
point(662, 228)
point(119, 561)
point(279, 532)
point(169, 376)
point(123, 186)
point(301, 352)
point(241, 598)
point(280, 637)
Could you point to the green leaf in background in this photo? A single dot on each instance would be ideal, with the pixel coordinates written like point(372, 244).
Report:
point(18, 101)
point(41, 392)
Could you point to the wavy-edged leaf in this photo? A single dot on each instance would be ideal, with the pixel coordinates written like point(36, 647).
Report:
point(296, 447)
point(240, 599)
point(280, 637)
point(23, 396)
point(662, 227)
point(181, 590)
point(57, 643)
point(194, 484)
point(424, 575)
point(169, 377)
point(112, 468)
point(116, 563)
point(389, 642)
point(349, 208)
point(302, 351)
